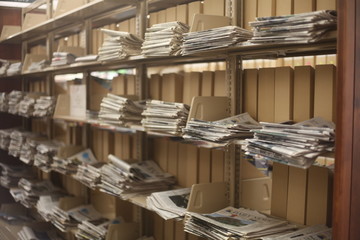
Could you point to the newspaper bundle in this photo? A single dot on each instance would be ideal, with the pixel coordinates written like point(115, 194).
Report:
point(164, 39)
point(232, 223)
point(4, 65)
point(126, 180)
point(62, 58)
point(117, 110)
point(43, 159)
point(47, 203)
point(14, 99)
point(4, 102)
point(169, 204)
point(297, 28)
point(44, 106)
point(26, 105)
point(28, 149)
point(17, 140)
point(316, 232)
point(5, 138)
point(11, 174)
point(89, 175)
point(166, 117)
point(95, 229)
point(298, 144)
point(119, 45)
point(69, 165)
point(221, 131)
point(222, 37)
point(14, 69)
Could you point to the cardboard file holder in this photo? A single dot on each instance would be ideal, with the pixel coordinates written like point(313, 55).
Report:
point(31, 58)
point(209, 108)
point(203, 22)
point(208, 197)
point(8, 31)
point(33, 19)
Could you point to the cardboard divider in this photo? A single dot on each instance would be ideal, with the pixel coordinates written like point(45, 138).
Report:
point(62, 109)
point(68, 5)
point(9, 30)
point(123, 231)
point(67, 203)
point(69, 150)
point(30, 59)
point(203, 22)
point(208, 197)
point(209, 108)
point(256, 193)
point(33, 19)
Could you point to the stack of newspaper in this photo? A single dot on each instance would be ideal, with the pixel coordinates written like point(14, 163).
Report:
point(26, 105)
point(70, 165)
point(118, 110)
point(233, 223)
point(95, 229)
point(28, 149)
point(87, 58)
point(164, 39)
point(46, 204)
point(40, 233)
point(14, 99)
point(62, 58)
point(5, 138)
point(221, 131)
point(11, 174)
point(119, 45)
point(215, 38)
point(126, 180)
point(44, 157)
point(67, 220)
point(4, 65)
point(14, 69)
point(166, 117)
point(297, 28)
point(89, 175)
point(4, 102)
point(18, 138)
point(316, 232)
point(44, 106)
point(29, 191)
point(169, 204)
point(298, 144)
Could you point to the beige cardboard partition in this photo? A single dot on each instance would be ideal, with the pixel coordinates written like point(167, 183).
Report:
point(123, 231)
point(208, 197)
point(155, 83)
point(68, 5)
point(203, 22)
point(250, 12)
point(266, 95)
point(285, 7)
point(207, 83)
point(69, 150)
point(214, 7)
point(194, 8)
point(33, 19)
point(77, 51)
point(250, 93)
point(303, 93)
point(284, 94)
point(326, 5)
point(266, 8)
point(209, 108)
point(9, 30)
point(256, 193)
point(62, 109)
point(67, 203)
point(182, 13)
point(30, 59)
point(303, 6)
point(279, 194)
point(192, 86)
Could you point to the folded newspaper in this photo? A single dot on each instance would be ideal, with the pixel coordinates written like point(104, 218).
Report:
point(119, 45)
point(169, 204)
point(296, 28)
point(164, 39)
point(222, 37)
point(126, 180)
point(316, 232)
point(166, 117)
point(221, 131)
point(117, 110)
point(89, 175)
point(95, 229)
point(14, 98)
point(298, 144)
point(232, 223)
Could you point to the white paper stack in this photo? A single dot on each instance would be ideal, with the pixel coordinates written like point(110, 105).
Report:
point(14, 99)
point(298, 144)
point(26, 105)
point(89, 175)
point(67, 220)
point(14, 69)
point(165, 117)
point(221, 131)
point(119, 45)
point(44, 106)
point(297, 28)
point(316, 232)
point(126, 180)
point(11, 174)
point(28, 149)
point(164, 39)
point(29, 191)
point(95, 229)
point(43, 159)
point(28, 233)
point(215, 38)
point(18, 138)
point(70, 165)
point(169, 204)
point(4, 102)
point(62, 58)
point(4, 66)
point(5, 138)
point(116, 110)
point(233, 223)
